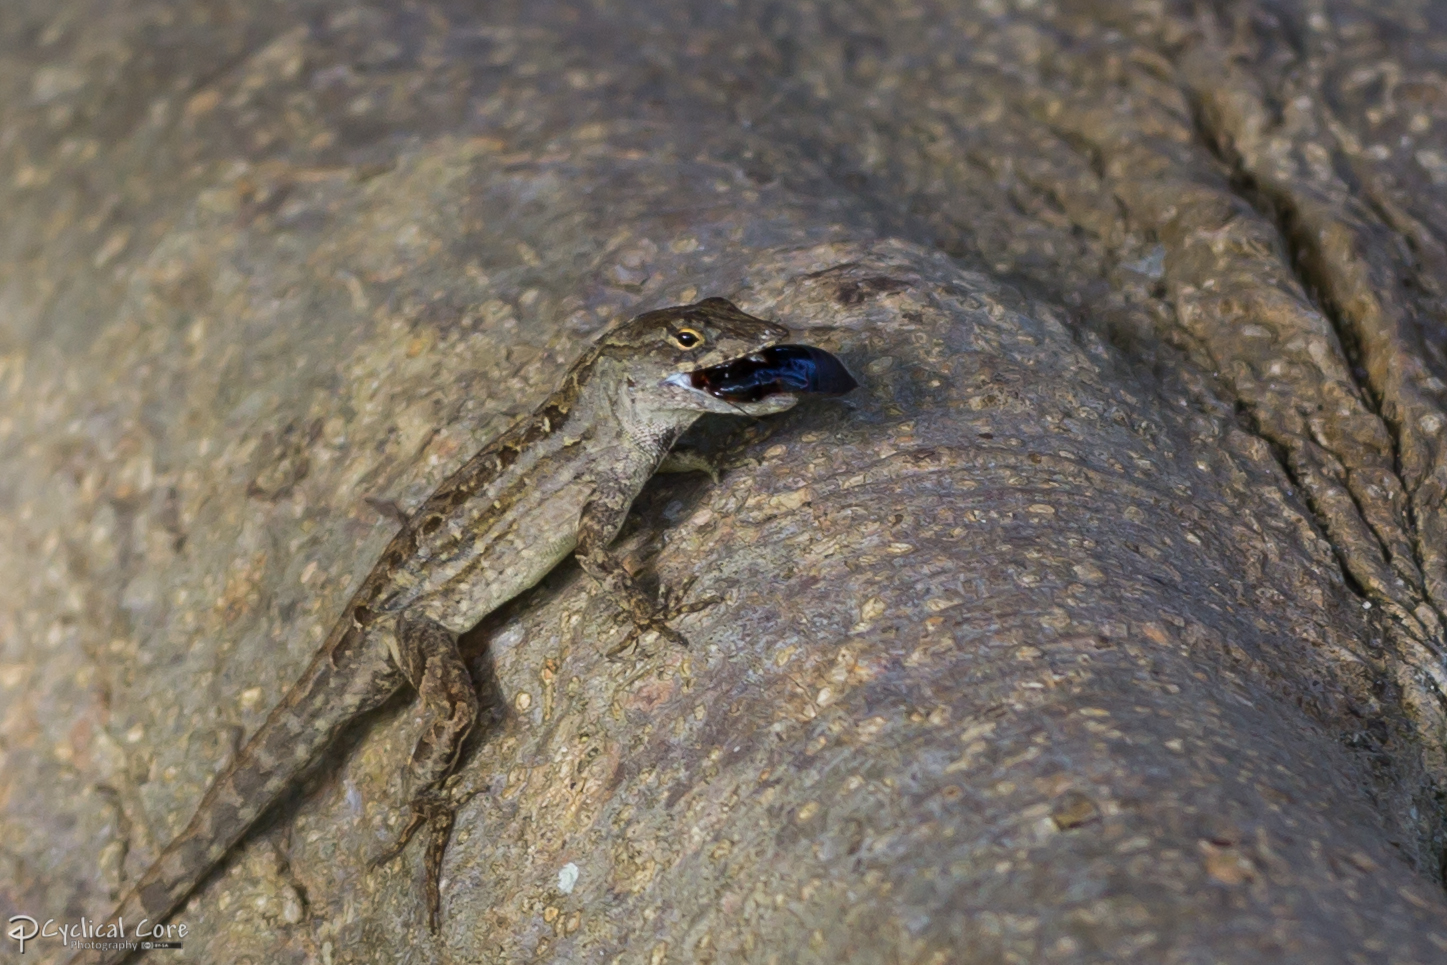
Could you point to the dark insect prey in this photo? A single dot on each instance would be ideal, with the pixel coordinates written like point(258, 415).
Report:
point(772, 371)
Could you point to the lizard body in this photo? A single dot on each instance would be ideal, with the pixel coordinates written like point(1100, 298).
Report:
point(559, 481)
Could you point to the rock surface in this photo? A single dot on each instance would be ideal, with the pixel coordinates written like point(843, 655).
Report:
point(1104, 623)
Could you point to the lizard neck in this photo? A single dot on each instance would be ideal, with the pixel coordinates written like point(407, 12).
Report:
point(592, 425)
point(606, 408)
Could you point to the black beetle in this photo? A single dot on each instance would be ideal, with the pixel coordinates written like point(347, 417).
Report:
point(779, 368)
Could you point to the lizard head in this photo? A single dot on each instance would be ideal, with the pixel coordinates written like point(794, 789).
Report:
point(660, 350)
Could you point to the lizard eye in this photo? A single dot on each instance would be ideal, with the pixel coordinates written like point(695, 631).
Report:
point(687, 338)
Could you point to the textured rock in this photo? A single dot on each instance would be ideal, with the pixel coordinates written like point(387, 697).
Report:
point(1103, 623)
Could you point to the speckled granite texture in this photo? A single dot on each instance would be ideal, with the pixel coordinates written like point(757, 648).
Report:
point(1104, 623)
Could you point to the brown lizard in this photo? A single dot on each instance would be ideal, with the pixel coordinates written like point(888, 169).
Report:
point(559, 481)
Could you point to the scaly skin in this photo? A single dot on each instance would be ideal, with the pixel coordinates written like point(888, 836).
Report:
point(559, 481)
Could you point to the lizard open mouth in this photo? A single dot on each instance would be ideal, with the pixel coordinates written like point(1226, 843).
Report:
point(775, 370)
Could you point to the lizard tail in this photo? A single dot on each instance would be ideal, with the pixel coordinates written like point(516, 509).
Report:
point(333, 690)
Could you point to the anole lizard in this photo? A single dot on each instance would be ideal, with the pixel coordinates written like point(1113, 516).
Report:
point(559, 481)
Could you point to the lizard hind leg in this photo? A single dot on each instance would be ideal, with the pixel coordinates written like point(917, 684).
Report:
point(430, 659)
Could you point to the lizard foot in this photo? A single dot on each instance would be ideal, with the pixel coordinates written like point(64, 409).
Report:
point(669, 608)
point(438, 812)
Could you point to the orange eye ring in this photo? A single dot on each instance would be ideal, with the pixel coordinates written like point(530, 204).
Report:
point(687, 338)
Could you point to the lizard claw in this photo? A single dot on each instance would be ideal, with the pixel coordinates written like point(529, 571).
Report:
point(669, 608)
point(438, 811)
point(672, 604)
point(387, 856)
point(630, 642)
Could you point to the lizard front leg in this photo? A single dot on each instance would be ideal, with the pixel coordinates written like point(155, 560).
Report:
point(599, 522)
point(681, 460)
point(429, 658)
